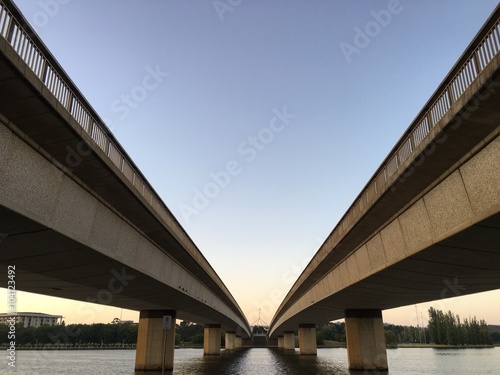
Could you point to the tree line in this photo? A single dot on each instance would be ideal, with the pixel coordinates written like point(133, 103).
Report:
point(394, 334)
point(73, 335)
point(444, 328)
point(448, 329)
point(98, 334)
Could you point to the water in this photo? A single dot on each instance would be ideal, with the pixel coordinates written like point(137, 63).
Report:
point(257, 361)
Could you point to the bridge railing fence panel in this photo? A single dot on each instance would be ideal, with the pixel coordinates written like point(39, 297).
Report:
point(420, 131)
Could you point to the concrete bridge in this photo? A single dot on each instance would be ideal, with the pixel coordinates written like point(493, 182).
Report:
point(80, 221)
point(425, 227)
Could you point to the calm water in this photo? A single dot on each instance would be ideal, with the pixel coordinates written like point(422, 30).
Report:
point(257, 362)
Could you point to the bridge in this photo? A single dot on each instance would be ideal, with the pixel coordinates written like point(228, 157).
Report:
point(425, 227)
point(79, 220)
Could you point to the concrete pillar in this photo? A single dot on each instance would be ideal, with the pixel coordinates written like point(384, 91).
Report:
point(365, 340)
point(155, 345)
point(280, 342)
point(239, 342)
point(289, 340)
point(307, 339)
point(211, 340)
point(230, 340)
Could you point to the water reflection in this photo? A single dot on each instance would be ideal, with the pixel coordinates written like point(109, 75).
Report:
point(259, 361)
point(256, 361)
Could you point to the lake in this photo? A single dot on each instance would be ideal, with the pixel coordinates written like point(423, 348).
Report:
point(257, 361)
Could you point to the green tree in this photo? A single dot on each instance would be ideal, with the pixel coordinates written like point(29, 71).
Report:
point(448, 329)
point(319, 338)
point(391, 340)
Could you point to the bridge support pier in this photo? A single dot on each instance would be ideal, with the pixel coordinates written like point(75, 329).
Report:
point(230, 340)
point(280, 342)
point(289, 340)
point(155, 345)
point(239, 342)
point(211, 339)
point(307, 339)
point(365, 340)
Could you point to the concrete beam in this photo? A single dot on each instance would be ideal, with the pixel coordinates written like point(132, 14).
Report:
point(211, 339)
point(307, 339)
point(365, 340)
point(155, 345)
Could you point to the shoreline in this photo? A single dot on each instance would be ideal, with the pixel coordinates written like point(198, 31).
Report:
point(330, 346)
point(440, 346)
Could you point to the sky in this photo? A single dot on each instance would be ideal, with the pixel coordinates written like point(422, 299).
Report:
point(289, 106)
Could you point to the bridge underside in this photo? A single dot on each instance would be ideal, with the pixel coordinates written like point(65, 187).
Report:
point(52, 264)
point(467, 263)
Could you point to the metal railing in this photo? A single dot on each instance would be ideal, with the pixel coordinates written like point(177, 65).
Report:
point(54, 79)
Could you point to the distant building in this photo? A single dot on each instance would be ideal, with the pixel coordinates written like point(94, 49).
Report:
point(29, 319)
point(119, 321)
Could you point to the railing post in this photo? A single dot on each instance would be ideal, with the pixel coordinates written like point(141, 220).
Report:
point(476, 62)
point(43, 72)
point(69, 102)
point(450, 95)
point(10, 29)
point(412, 142)
point(429, 120)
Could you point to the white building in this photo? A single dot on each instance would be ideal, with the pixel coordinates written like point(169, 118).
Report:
point(29, 319)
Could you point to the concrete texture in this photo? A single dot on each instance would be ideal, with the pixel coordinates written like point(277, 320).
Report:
point(481, 177)
point(307, 339)
point(281, 342)
point(211, 339)
point(155, 345)
point(230, 341)
point(447, 205)
point(393, 242)
point(365, 340)
point(289, 340)
point(376, 252)
point(416, 227)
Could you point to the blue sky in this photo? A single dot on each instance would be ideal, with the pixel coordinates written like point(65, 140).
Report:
point(284, 101)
